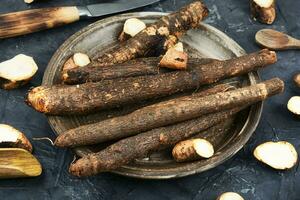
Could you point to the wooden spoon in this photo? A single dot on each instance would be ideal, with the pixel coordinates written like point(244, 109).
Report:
point(276, 40)
point(17, 162)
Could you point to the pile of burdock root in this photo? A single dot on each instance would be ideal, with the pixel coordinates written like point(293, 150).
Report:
point(190, 99)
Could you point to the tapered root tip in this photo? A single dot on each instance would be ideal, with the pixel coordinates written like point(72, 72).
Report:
point(270, 57)
point(275, 85)
point(81, 168)
point(36, 99)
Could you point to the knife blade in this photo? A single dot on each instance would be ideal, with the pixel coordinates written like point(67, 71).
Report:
point(29, 21)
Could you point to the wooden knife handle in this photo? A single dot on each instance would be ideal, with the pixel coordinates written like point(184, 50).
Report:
point(29, 21)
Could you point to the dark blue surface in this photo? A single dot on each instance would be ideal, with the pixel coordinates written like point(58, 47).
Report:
point(242, 173)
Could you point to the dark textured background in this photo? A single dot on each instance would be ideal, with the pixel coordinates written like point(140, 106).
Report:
point(242, 173)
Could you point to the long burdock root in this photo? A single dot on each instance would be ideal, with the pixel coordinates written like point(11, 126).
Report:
point(137, 67)
point(126, 150)
point(263, 10)
point(149, 66)
point(91, 97)
point(167, 112)
point(175, 24)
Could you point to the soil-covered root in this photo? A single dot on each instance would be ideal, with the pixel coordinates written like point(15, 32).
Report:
point(293, 105)
point(17, 71)
point(11, 137)
point(192, 149)
point(278, 155)
point(263, 10)
point(139, 146)
point(230, 196)
point(92, 97)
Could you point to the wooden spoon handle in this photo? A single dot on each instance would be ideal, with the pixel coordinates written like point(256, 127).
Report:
point(29, 21)
point(294, 43)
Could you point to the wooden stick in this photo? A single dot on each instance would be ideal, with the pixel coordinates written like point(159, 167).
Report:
point(167, 112)
point(126, 150)
point(91, 97)
point(176, 24)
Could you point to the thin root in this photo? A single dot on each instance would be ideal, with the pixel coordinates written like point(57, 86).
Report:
point(44, 138)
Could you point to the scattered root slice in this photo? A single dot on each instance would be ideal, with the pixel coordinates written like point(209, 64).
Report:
point(192, 149)
point(263, 10)
point(11, 137)
point(230, 196)
point(278, 155)
point(131, 27)
point(294, 105)
point(17, 71)
point(297, 80)
point(174, 59)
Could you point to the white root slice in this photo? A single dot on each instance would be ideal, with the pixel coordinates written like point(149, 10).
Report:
point(178, 46)
point(294, 105)
point(11, 137)
point(264, 3)
point(19, 68)
point(230, 196)
point(133, 26)
point(203, 148)
point(81, 59)
point(278, 155)
point(28, 1)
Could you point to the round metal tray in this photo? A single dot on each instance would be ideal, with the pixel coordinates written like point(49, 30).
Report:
point(206, 41)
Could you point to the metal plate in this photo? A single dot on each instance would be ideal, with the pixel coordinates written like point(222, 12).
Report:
point(206, 41)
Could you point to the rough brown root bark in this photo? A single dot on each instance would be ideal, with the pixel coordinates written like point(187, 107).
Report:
point(167, 112)
point(148, 66)
point(91, 97)
point(176, 24)
point(137, 67)
point(126, 150)
point(265, 14)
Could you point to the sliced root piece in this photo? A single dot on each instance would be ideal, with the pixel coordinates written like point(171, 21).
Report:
point(174, 59)
point(294, 105)
point(29, 1)
point(131, 27)
point(11, 137)
point(77, 60)
point(192, 149)
point(278, 155)
point(17, 71)
point(81, 59)
point(297, 80)
point(230, 196)
point(263, 10)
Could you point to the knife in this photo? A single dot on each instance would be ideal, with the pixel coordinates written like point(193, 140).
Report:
point(29, 21)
